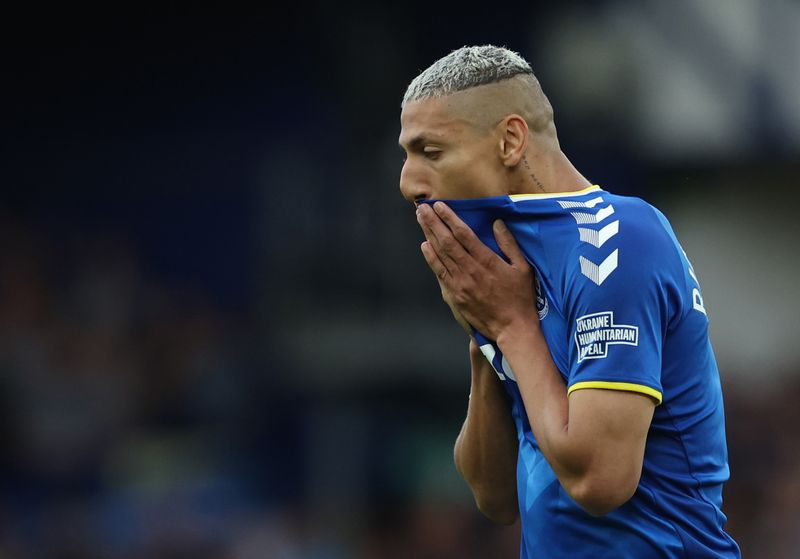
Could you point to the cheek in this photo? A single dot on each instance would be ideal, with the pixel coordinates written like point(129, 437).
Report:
point(470, 178)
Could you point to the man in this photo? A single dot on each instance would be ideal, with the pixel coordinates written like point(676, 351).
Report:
point(595, 411)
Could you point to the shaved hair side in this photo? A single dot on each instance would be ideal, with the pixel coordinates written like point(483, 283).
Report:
point(465, 68)
point(495, 82)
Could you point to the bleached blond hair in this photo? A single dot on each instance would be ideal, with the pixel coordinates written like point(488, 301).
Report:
point(465, 68)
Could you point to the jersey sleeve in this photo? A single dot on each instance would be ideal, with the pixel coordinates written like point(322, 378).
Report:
point(618, 308)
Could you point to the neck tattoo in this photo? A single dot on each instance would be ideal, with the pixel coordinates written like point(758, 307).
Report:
point(535, 179)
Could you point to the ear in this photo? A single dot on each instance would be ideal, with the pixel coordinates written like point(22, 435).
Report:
point(513, 139)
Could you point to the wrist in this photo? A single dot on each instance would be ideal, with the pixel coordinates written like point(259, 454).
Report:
point(474, 349)
point(522, 333)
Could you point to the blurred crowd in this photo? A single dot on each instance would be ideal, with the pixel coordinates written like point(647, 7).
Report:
point(212, 300)
point(141, 420)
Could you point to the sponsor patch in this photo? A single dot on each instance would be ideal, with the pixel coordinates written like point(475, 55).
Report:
point(595, 332)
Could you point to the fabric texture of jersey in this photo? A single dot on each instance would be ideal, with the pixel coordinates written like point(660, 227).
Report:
point(621, 309)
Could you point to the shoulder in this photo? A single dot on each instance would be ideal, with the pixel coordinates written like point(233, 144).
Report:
point(622, 237)
point(627, 261)
point(640, 222)
point(646, 237)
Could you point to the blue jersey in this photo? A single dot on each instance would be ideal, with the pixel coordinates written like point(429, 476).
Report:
point(621, 309)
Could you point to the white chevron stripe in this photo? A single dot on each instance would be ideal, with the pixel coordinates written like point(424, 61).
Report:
point(589, 204)
point(598, 274)
point(583, 217)
point(489, 352)
point(599, 238)
point(507, 369)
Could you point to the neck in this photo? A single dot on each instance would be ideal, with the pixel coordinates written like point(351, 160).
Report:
point(541, 173)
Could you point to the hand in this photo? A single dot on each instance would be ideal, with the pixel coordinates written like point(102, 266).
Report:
point(491, 294)
point(448, 298)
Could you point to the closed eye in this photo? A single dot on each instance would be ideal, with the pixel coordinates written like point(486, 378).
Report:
point(431, 153)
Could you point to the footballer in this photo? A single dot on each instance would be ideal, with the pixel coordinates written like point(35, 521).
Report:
point(595, 414)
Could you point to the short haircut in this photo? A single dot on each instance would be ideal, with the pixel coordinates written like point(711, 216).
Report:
point(465, 68)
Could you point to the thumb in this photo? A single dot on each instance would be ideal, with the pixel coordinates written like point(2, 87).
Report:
point(507, 242)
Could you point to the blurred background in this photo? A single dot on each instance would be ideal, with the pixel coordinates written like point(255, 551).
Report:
point(218, 338)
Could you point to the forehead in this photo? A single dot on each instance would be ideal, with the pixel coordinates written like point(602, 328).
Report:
point(430, 118)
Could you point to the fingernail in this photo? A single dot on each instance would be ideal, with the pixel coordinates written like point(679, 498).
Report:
point(499, 226)
point(439, 207)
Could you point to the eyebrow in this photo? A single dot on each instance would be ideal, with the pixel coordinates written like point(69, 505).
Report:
point(416, 143)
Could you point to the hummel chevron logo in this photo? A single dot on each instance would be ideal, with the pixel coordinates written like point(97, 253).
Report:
point(590, 204)
point(582, 217)
point(599, 238)
point(598, 274)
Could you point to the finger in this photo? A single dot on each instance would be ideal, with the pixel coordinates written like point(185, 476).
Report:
point(444, 257)
point(434, 263)
point(440, 236)
point(427, 230)
point(507, 243)
point(460, 230)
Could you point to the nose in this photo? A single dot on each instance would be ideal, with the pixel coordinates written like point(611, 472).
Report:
point(413, 186)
